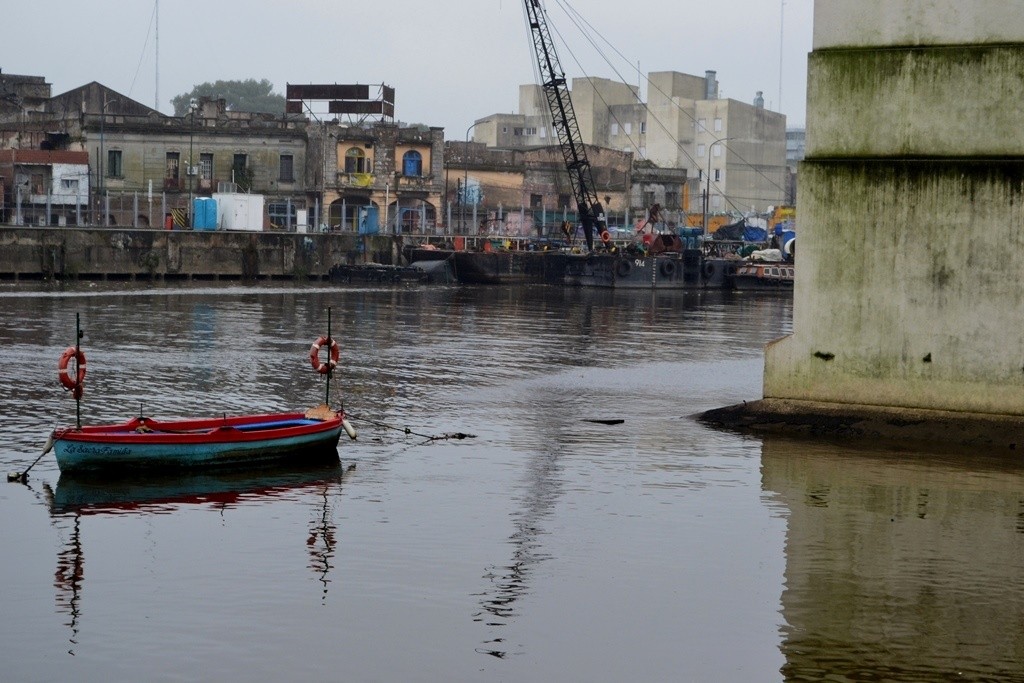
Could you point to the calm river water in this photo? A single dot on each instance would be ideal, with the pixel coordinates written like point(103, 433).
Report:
point(547, 548)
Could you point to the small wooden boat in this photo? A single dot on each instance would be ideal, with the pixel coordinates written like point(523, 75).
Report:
point(146, 443)
point(763, 275)
point(250, 439)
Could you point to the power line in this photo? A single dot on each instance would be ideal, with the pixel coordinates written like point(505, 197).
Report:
point(586, 29)
point(145, 44)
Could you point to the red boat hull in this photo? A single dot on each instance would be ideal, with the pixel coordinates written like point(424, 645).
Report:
point(149, 443)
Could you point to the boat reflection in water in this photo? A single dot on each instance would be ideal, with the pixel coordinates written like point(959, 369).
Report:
point(158, 492)
point(79, 496)
point(899, 566)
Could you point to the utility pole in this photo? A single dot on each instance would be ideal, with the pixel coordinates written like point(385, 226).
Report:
point(156, 87)
point(707, 192)
point(189, 173)
point(99, 162)
point(465, 164)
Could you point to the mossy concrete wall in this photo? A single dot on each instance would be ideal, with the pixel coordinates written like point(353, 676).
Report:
point(909, 289)
point(887, 23)
point(948, 101)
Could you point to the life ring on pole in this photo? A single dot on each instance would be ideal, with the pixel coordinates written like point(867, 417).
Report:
point(668, 268)
point(333, 355)
point(62, 370)
point(606, 236)
point(709, 270)
point(623, 267)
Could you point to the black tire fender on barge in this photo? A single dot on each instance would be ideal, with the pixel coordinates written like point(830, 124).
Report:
point(623, 267)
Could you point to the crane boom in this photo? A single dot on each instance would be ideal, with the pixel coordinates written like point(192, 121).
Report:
point(556, 91)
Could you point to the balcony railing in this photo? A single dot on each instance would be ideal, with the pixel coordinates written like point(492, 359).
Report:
point(355, 179)
point(415, 182)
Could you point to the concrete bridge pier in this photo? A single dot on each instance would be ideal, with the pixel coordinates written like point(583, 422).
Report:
point(909, 297)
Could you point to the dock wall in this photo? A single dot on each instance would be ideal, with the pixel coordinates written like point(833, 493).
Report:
point(132, 254)
point(909, 291)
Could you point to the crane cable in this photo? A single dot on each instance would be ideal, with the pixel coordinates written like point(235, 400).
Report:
point(574, 15)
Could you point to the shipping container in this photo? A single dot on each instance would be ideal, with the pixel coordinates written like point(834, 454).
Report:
point(239, 211)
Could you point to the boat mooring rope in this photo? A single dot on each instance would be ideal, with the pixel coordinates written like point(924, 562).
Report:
point(406, 430)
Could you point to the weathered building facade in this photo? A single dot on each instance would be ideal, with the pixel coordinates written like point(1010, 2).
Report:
point(381, 168)
point(43, 186)
point(528, 193)
point(177, 158)
point(143, 168)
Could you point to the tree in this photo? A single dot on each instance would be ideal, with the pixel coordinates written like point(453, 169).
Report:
point(248, 95)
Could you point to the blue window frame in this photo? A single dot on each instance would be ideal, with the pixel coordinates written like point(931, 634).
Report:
point(412, 164)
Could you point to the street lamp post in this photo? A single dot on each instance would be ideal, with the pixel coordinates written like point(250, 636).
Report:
point(188, 169)
point(323, 217)
point(707, 191)
point(324, 214)
point(102, 161)
point(465, 163)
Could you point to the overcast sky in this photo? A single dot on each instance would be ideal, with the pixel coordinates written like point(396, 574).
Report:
point(450, 61)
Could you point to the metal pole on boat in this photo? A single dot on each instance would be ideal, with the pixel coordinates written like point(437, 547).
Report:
point(327, 395)
point(78, 352)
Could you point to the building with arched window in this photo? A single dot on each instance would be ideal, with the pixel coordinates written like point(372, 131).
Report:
point(383, 177)
point(355, 160)
point(412, 164)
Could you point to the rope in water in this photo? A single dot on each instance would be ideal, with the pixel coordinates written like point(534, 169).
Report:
point(406, 430)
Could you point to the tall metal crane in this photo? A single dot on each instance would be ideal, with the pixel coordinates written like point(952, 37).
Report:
point(590, 211)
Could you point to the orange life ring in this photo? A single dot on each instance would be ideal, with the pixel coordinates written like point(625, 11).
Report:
point(314, 355)
point(606, 236)
point(62, 370)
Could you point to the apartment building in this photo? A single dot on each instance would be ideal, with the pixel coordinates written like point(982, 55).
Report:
point(733, 153)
